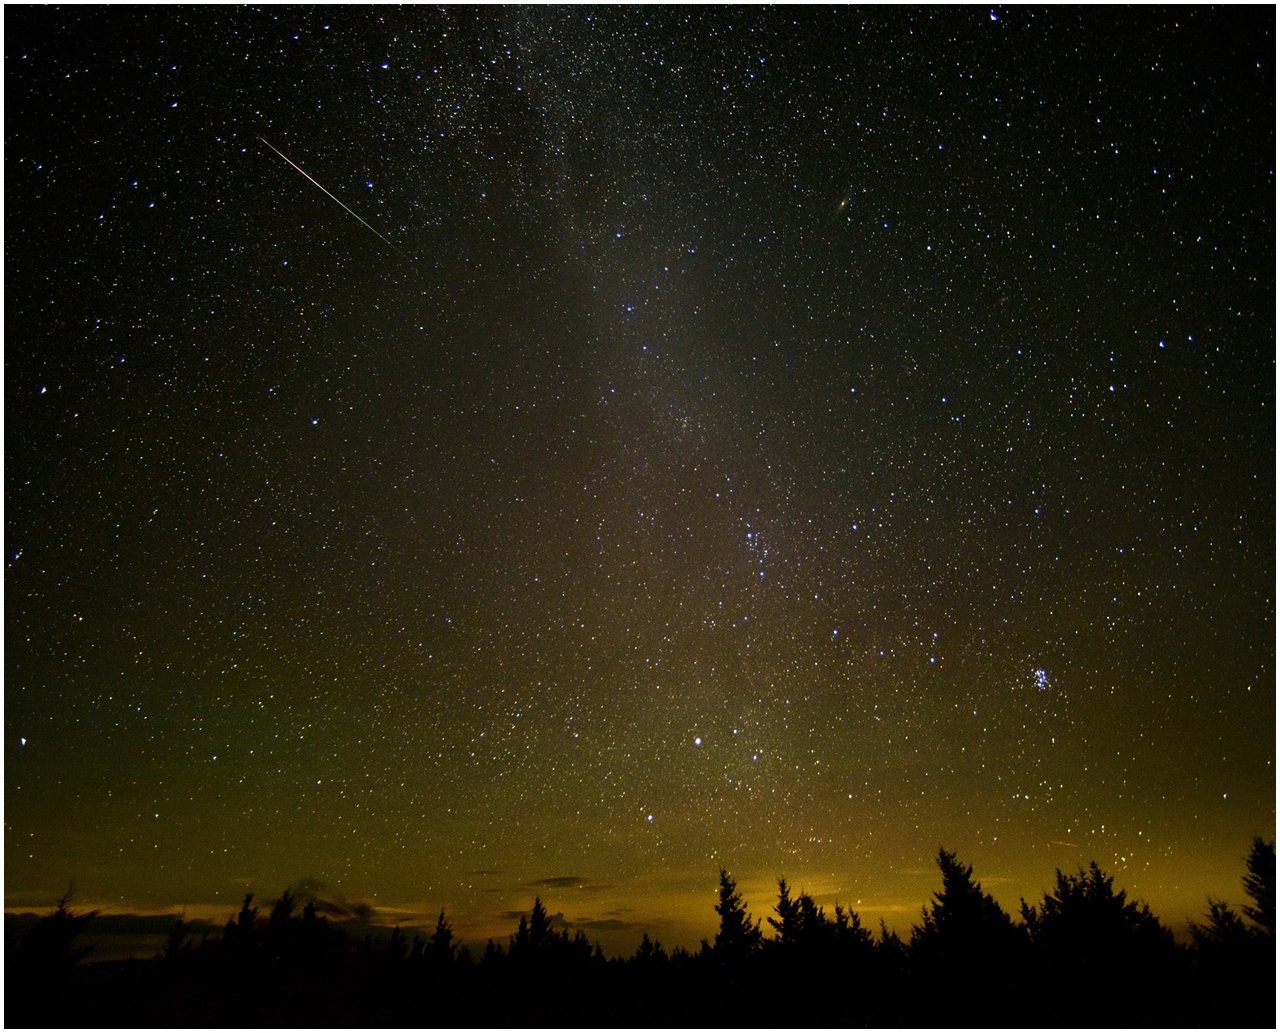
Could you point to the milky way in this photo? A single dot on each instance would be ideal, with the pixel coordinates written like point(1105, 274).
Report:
point(788, 440)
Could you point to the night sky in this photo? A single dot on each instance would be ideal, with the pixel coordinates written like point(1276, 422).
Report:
point(638, 441)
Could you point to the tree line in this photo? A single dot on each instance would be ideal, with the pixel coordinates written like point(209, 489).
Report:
point(1083, 955)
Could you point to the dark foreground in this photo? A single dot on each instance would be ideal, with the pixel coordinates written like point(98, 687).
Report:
point(1084, 956)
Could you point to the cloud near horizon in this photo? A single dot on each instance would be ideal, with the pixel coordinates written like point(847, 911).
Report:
point(560, 882)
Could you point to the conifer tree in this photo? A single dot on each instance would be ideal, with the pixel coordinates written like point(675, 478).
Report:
point(962, 917)
point(787, 924)
point(1260, 884)
point(1085, 925)
point(539, 926)
point(738, 937)
point(442, 945)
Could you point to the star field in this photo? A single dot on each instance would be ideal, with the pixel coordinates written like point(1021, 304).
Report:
point(784, 439)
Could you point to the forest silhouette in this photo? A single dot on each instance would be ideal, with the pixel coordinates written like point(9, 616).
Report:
point(1084, 955)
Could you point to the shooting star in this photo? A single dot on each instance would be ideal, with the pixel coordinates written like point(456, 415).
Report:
point(345, 207)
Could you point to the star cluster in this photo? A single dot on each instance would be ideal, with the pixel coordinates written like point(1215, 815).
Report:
point(784, 439)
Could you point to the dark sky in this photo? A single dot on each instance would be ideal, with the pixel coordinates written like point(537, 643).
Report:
point(781, 439)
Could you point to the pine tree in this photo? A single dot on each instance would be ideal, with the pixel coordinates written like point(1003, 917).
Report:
point(282, 910)
point(1260, 884)
point(176, 943)
point(539, 926)
point(966, 947)
point(47, 949)
point(738, 937)
point(1112, 951)
point(650, 952)
point(1223, 933)
point(442, 945)
point(851, 934)
point(239, 931)
point(520, 941)
point(962, 917)
point(1085, 922)
point(492, 956)
point(787, 924)
point(813, 928)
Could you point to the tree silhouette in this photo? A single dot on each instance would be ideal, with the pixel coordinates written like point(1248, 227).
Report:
point(966, 946)
point(48, 949)
point(1085, 921)
point(1224, 932)
point(1113, 952)
point(805, 932)
point(44, 964)
point(520, 939)
point(850, 933)
point(176, 942)
point(962, 918)
point(787, 924)
point(738, 937)
point(649, 953)
point(1235, 969)
point(534, 935)
point(493, 955)
point(396, 948)
point(1085, 955)
point(539, 926)
point(282, 910)
point(891, 966)
point(890, 942)
point(240, 929)
point(442, 943)
point(1260, 884)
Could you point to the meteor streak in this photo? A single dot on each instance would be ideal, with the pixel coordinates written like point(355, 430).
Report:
point(345, 207)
